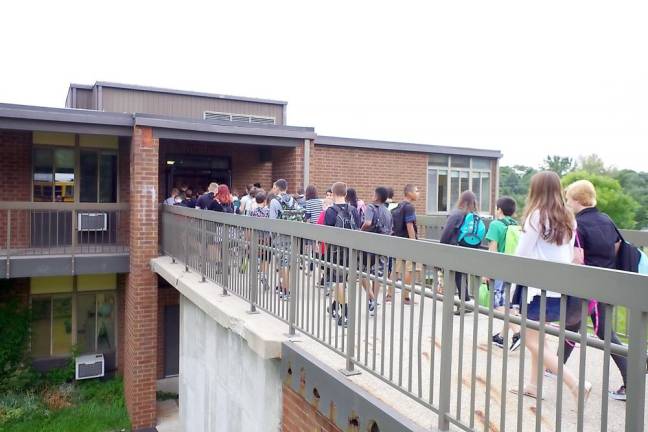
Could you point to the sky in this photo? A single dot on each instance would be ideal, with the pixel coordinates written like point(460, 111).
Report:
point(526, 78)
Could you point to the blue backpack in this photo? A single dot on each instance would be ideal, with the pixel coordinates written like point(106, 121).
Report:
point(643, 263)
point(471, 231)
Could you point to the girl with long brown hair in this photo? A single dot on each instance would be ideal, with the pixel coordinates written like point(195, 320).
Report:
point(548, 234)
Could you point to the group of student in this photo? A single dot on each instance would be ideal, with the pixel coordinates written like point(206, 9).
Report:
point(556, 225)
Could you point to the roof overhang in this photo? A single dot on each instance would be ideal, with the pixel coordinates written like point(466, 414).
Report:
point(406, 147)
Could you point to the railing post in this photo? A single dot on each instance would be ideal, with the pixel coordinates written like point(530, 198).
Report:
point(446, 349)
point(8, 242)
point(225, 258)
point(636, 403)
point(292, 285)
point(253, 263)
point(185, 241)
point(203, 250)
point(75, 216)
point(351, 307)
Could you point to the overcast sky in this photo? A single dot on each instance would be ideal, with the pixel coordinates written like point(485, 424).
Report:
point(552, 77)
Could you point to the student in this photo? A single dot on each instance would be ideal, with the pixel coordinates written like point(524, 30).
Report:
point(172, 199)
point(341, 215)
point(246, 198)
point(222, 201)
point(352, 198)
point(312, 204)
point(503, 233)
point(206, 199)
point(283, 206)
point(404, 220)
point(377, 220)
point(189, 200)
point(262, 211)
point(598, 237)
point(547, 234)
point(391, 205)
point(299, 197)
point(464, 227)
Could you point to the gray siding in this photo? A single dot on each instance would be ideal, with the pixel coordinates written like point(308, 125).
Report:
point(84, 99)
point(124, 100)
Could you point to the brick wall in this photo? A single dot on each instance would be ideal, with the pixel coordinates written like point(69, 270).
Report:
point(140, 338)
point(288, 163)
point(122, 280)
point(167, 296)
point(15, 181)
point(300, 415)
point(365, 169)
point(245, 162)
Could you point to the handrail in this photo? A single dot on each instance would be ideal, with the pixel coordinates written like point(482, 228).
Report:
point(61, 206)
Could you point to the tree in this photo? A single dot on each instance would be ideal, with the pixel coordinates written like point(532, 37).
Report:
point(514, 182)
point(611, 198)
point(635, 184)
point(558, 164)
point(592, 164)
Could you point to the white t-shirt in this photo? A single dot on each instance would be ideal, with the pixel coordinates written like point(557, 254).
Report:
point(532, 245)
point(244, 201)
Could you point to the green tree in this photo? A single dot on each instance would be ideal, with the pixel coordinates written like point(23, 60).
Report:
point(558, 164)
point(611, 198)
point(635, 184)
point(592, 164)
point(514, 182)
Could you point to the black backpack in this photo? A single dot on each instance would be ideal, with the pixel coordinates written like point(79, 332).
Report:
point(398, 220)
point(377, 222)
point(344, 217)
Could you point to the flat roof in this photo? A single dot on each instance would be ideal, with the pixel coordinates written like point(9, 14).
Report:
point(176, 92)
point(404, 146)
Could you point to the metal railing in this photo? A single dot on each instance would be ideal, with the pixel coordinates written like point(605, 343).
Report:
point(438, 349)
point(39, 228)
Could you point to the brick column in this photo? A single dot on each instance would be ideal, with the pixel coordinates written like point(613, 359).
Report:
point(140, 345)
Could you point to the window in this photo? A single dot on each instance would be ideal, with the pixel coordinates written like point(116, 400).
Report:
point(68, 311)
point(98, 176)
point(53, 174)
point(449, 176)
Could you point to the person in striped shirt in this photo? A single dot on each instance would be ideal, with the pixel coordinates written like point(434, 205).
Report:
point(313, 204)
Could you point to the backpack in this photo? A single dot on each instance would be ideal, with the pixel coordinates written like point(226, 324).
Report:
point(344, 217)
point(291, 211)
point(471, 231)
point(377, 223)
point(398, 221)
point(512, 237)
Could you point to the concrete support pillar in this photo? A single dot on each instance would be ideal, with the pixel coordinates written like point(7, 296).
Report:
point(140, 344)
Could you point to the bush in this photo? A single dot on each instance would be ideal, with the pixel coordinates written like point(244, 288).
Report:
point(14, 322)
point(20, 406)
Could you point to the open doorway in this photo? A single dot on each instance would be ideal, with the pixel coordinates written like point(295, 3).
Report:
point(197, 171)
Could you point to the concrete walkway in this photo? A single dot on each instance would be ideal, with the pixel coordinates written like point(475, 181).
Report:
point(168, 416)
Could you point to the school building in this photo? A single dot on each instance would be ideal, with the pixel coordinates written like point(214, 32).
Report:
point(79, 206)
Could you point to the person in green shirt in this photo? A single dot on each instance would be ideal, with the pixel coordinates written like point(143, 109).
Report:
point(497, 234)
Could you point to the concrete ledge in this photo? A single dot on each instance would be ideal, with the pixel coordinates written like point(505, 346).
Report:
point(263, 333)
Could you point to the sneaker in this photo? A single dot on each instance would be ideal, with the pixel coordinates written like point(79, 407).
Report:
point(372, 307)
point(619, 394)
point(285, 296)
point(498, 340)
point(549, 374)
point(515, 344)
point(333, 312)
point(343, 321)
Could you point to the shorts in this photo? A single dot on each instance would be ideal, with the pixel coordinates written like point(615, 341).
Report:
point(499, 288)
point(407, 265)
point(552, 309)
point(281, 246)
point(373, 264)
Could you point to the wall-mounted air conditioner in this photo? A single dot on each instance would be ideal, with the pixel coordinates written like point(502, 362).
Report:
point(92, 222)
point(89, 366)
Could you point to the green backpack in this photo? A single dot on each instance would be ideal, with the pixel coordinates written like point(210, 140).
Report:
point(291, 211)
point(512, 238)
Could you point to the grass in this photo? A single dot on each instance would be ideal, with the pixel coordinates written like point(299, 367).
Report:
point(95, 407)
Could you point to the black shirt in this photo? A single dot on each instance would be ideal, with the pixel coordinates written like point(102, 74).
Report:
point(330, 216)
point(597, 235)
point(224, 208)
point(204, 200)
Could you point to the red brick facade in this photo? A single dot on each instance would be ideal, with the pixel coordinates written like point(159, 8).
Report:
point(365, 169)
point(15, 178)
point(288, 163)
point(299, 415)
point(167, 296)
point(140, 350)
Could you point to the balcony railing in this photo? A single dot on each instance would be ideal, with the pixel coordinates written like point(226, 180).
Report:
point(37, 228)
point(437, 350)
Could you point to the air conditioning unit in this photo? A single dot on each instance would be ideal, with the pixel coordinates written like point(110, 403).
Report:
point(92, 222)
point(89, 366)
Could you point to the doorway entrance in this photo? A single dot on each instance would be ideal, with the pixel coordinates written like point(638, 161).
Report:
point(197, 171)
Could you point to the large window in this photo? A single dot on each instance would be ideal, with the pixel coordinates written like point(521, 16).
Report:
point(73, 311)
point(449, 176)
point(53, 174)
point(98, 169)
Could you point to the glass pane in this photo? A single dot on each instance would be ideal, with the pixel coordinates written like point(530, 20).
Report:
point(454, 187)
point(89, 174)
point(64, 175)
point(460, 162)
point(43, 174)
point(40, 326)
point(475, 186)
point(438, 160)
point(481, 163)
point(108, 177)
point(443, 191)
point(86, 323)
point(465, 181)
point(61, 325)
point(432, 191)
point(485, 193)
point(105, 322)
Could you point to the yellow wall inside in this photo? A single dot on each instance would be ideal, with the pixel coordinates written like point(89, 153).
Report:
point(51, 284)
point(53, 138)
